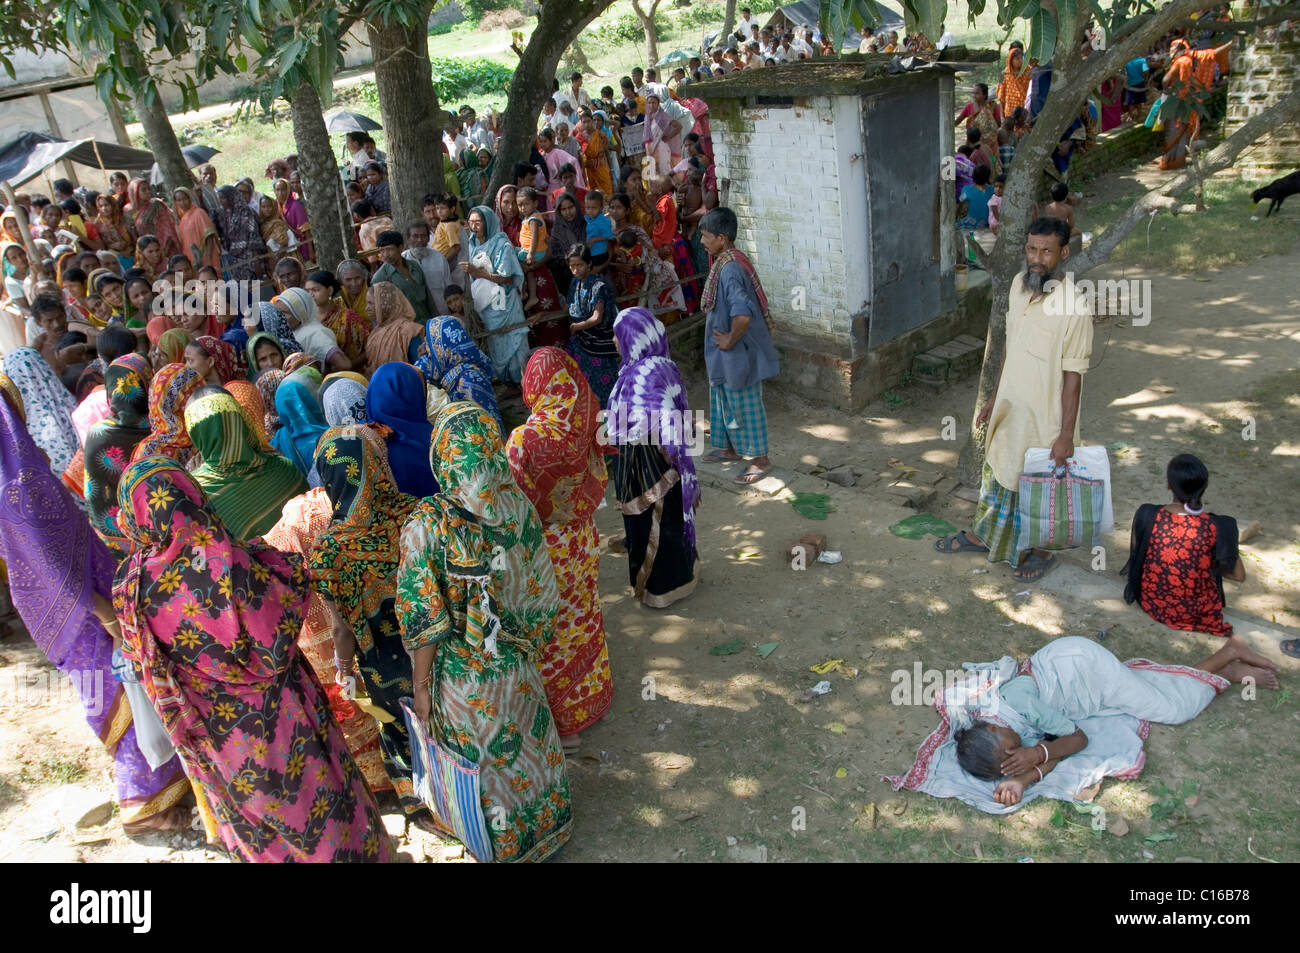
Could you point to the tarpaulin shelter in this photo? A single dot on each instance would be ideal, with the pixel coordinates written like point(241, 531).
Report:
point(26, 155)
point(801, 13)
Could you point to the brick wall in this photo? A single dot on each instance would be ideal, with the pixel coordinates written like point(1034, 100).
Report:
point(784, 187)
point(1262, 73)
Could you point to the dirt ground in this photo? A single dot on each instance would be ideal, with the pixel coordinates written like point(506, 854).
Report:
point(716, 757)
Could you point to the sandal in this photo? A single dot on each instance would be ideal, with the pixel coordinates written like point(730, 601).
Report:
point(958, 543)
point(717, 457)
point(750, 477)
point(1291, 647)
point(1036, 566)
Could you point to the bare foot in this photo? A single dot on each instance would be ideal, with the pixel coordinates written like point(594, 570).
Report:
point(1240, 671)
point(1248, 655)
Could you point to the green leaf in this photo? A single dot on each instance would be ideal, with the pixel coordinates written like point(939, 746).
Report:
point(767, 648)
point(914, 527)
point(1160, 837)
point(728, 648)
point(1067, 19)
point(1042, 37)
point(1058, 817)
point(241, 63)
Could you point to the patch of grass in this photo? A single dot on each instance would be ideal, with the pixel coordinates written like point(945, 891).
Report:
point(1222, 235)
point(893, 400)
point(52, 770)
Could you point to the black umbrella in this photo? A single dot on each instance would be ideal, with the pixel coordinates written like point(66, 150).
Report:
point(345, 121)
point(194, 155)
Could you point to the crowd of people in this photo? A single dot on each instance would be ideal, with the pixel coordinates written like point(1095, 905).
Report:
point(279, 528)
point(1182, 65)
point(274, 524)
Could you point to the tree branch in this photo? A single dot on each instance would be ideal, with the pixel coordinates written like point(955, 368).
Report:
point(1167, 195)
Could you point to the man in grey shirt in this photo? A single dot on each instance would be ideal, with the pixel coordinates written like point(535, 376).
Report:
point(738, 350)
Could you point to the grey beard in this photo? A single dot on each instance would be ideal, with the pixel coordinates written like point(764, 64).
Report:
point(1033, 281)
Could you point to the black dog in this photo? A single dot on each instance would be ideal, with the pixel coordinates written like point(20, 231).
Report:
point(1276, 191)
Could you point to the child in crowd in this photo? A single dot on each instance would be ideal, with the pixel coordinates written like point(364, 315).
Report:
point(1007, 142)
point(532, 241)
point(995, 202)
point(600, 230)
point(455, 298)
point(980, 155)
point(975, 197)
point(1059, 207)
point(447, 235)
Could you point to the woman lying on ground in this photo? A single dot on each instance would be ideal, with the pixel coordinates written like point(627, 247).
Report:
point(1058, 723)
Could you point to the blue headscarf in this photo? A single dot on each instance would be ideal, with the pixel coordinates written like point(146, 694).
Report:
point(395, 398)
point(456, 364)
point(301, 424)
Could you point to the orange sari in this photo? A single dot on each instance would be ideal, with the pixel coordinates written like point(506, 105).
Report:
point(1014, 87)
point(595, 163)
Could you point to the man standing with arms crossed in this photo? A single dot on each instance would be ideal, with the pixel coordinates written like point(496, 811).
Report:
point(1035, 401)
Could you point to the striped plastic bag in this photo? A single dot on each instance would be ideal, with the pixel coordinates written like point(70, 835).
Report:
point(1059, 509)
point(449, 786)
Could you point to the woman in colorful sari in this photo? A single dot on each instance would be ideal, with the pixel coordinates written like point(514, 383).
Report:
point(396, 400)
point(343, 398)
point(304, 323)
point(304, 518)
point(983, 114)
point(496, 280)
point(250, 402)
point(1189, 78)
point(642, 271)
point(267, 383)
point(50, 406)
point(508, 213)
point(274, 230)
point(352, 277)
point(396, 334)
point(302, 422)
point(557, 463)
point(246, 486)
point(663, 137)
point(210, 624)
point(171, 347)
point(595, 156)
point(199, 240)
point(151, 216)
point(114, 231)
point(241, 236)
point(654, 474)
point(591, 313)
point(111, 442)
point(216, 360)
point(354, 569)
point(61, 583)
point(477, 601)
point(265, 352)
point(1014, 86)
point(449, 359)
point(169, 392)
point(347, 326)
point(295, 214)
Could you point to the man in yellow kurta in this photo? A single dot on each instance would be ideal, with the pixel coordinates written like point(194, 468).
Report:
point(1035, 402)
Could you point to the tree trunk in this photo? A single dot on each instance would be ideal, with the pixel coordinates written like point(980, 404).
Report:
point(728, 23)
point(158, 132)
point(1072, 78)
point(558, 25)
point(331, 225)
point(648, 24)
point(409, 108)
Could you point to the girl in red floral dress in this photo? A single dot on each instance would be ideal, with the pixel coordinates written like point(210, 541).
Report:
point(1180, 554)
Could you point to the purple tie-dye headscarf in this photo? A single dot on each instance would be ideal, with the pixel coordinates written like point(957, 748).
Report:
point(649, 389)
